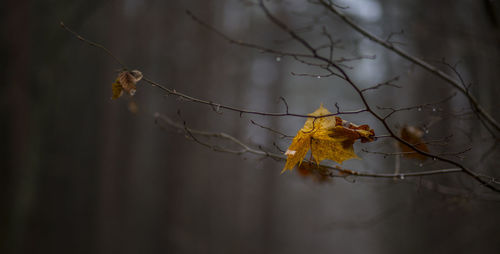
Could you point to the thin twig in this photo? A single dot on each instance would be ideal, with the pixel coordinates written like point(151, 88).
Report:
point(97, 45)
point(481, 111)
point(159, 118)
point(283, 135)
point(367, 106)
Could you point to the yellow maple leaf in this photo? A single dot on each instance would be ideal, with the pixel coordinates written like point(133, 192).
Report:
point(327, 137)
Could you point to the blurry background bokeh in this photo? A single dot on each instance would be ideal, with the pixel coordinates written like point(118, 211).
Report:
point(82, 174)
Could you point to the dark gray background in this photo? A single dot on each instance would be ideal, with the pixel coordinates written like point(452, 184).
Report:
point(81, 174)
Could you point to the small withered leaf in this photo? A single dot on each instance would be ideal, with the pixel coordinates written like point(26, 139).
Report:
point(125, 82)
point(317, 172)
point(413, 135)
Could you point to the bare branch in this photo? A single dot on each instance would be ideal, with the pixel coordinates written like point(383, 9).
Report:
point(97, 45)
point(383, 121)
point(392, 34)
point(386, 83)
point(432, 69)
point(242, 43)
point(420, 106)
point(159, 119)
point(283, 135)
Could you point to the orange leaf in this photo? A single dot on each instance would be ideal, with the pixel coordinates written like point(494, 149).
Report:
point(317, 172)
point(413, 135)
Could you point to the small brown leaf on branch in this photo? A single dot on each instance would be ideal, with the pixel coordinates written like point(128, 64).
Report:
point(125, 82)
point(312, 170)
point(413, 135)
point(327, 137)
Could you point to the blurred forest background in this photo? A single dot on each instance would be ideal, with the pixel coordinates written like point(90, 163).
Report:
point(81, 174)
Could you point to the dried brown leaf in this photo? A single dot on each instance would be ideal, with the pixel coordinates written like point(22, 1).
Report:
point(125, 82)
point(413, 135)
